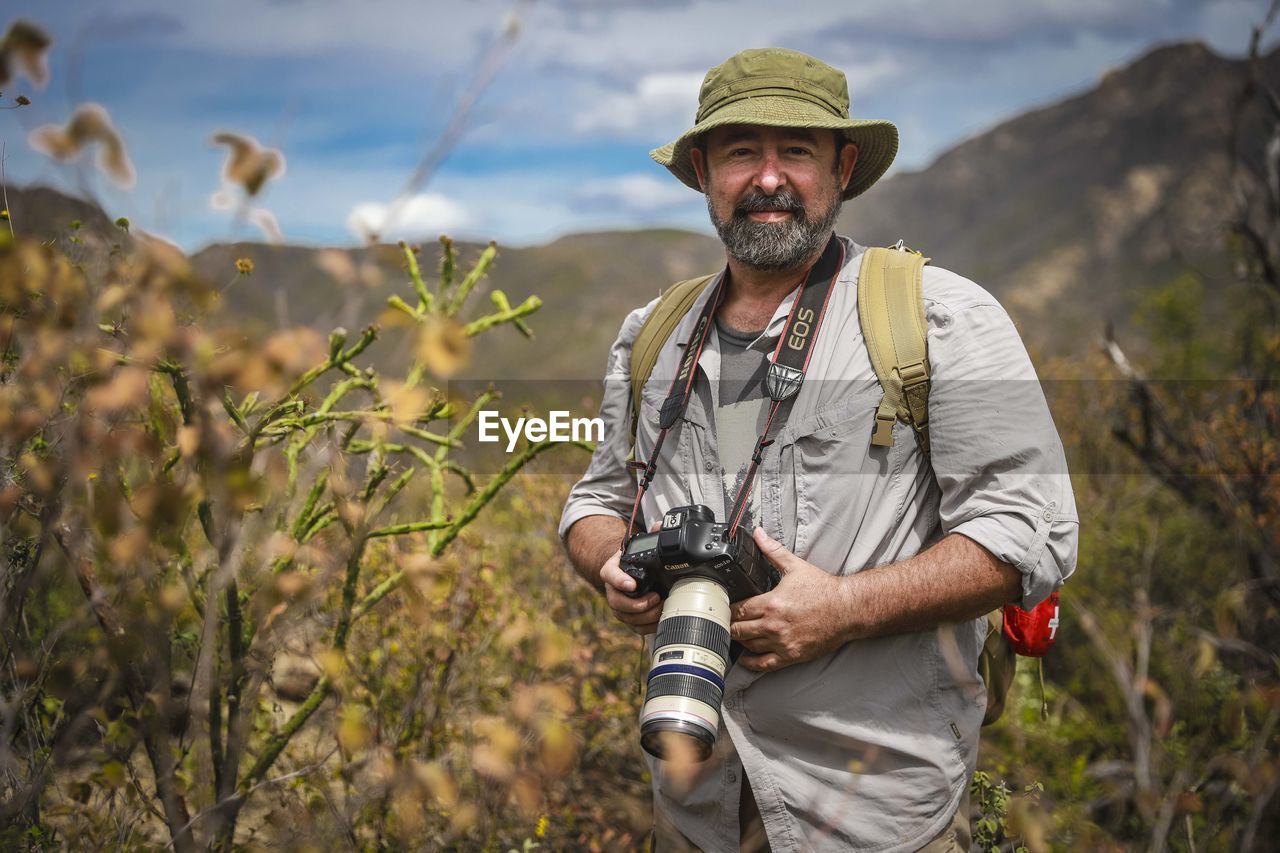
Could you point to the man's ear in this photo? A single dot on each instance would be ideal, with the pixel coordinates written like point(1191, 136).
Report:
point(848, 156)
point(699, 162)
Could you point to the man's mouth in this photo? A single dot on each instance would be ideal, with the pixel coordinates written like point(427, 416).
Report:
point(783, 207)
point(770, 215)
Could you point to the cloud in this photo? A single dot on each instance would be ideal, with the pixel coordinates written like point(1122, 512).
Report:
point(352, 97)
point(399, 31)
point(134, 25)
point(419, 217)
point(634, 194)
point(994, 25)
point(864, 77)
point(659, 99)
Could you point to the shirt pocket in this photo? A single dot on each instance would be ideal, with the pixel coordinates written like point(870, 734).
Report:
point(833, 486)
point(684, 455)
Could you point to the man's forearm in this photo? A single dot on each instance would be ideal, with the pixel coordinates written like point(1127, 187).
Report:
point(955, 580)
point(590, 542)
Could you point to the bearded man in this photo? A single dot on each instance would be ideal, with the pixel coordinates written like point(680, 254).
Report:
point(851, 719)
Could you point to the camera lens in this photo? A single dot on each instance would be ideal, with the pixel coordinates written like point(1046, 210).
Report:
point(686, 680)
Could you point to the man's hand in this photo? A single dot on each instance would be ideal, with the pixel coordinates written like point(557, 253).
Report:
point(593, 539)
point(639, 614)
point(806, 615)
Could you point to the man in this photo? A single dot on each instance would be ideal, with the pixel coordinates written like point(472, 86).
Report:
point(851, 721)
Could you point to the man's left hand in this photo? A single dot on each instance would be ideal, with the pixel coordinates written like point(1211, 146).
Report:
point(805, 616)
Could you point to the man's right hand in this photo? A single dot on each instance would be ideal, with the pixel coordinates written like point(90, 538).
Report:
point(592, 539)
point(639, 614)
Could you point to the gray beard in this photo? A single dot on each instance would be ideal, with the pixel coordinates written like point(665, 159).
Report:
point(774, 246)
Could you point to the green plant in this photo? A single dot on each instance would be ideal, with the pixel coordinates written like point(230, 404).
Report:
point(1004, 818)
point(209, 495)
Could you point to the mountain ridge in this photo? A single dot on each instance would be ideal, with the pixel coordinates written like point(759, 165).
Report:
point(1069, 213)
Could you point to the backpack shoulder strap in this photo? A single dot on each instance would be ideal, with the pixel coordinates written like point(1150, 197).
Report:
point(891, 312)
point(674, 303)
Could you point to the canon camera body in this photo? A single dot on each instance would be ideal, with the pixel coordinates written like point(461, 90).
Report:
point(699, 569)
point(691, 544)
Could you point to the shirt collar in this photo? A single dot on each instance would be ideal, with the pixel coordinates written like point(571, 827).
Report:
point(769, 336)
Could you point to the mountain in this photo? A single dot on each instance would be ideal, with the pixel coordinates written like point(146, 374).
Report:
point(1070, 214)
point(587, 283)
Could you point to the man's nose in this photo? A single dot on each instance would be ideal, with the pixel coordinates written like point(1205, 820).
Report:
point(769, 176)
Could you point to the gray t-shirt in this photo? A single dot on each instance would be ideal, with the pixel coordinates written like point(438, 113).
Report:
point(741, 413)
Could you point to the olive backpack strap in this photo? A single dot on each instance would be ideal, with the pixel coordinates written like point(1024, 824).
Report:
point(674, 303)
point(997, 664)
point(891, 312)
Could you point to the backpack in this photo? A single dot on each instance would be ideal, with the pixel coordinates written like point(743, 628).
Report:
point(891, 312)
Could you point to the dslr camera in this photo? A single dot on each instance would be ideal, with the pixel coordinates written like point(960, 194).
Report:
point(699, 569)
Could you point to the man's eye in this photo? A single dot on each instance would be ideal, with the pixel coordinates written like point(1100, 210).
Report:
point(800, 151)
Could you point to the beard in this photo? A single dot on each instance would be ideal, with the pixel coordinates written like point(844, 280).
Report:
point(774, 246)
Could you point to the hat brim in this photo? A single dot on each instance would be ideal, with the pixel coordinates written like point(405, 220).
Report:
point(877, 140)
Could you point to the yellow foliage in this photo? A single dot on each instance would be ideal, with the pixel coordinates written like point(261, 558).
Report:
point(188, 441)
point(127, 389)
point(407, 402)
point(555, 645)
point(442, 348)
point(438, 781)
point(558, 747)
point(353, 732)
point(333, 663)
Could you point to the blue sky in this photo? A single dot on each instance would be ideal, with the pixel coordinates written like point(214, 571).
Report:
point(355, 93)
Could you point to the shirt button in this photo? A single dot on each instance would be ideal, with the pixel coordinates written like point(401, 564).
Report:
point(1048, 513)
point(733, 777)
point(709, 466)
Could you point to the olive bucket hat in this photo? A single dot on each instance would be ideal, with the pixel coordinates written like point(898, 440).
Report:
point(776, 87)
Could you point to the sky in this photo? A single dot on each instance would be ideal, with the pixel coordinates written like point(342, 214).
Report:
point(357, 95)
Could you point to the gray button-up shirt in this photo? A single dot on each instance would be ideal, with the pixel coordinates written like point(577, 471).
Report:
point(869, 747)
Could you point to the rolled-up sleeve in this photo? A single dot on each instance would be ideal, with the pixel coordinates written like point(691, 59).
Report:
point(608, 487)
point(996, 453)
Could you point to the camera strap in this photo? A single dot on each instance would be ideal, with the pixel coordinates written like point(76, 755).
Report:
point(782, 381)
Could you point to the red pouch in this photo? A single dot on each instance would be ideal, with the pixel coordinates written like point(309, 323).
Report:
point(1032, 633)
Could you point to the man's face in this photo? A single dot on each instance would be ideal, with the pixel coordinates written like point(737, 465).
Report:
point(773, 192)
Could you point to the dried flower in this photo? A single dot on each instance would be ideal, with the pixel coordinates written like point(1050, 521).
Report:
point(90, 123)
point(267, 224)
point(249, 164)
point(23, 51)
point(442, 347)
point(337, 264)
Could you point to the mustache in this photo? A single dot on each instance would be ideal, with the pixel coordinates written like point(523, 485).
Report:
point(758, 202)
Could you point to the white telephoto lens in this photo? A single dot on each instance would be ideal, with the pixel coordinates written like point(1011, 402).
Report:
point(686, 677)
